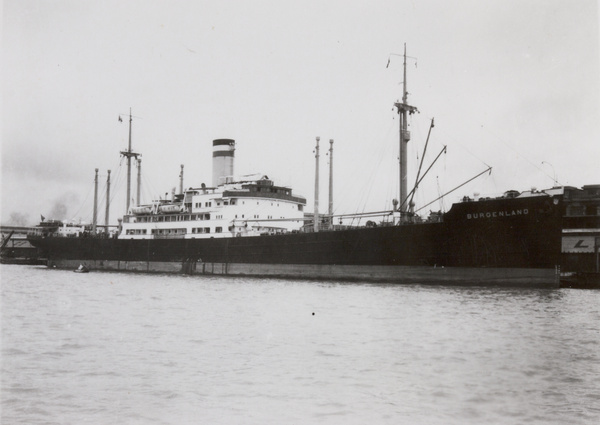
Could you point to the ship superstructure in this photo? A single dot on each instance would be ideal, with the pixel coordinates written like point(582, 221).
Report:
point(235, 207)
point(58, 228)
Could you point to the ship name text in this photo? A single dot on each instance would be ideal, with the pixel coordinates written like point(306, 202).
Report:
point(493, 214)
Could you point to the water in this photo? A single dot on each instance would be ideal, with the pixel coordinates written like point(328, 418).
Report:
point(106, 348)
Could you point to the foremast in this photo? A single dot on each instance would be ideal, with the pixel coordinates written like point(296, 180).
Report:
point(404, 109)
point(129, 154)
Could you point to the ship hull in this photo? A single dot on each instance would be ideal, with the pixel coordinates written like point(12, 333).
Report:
point(423, 275)
point(504, 242)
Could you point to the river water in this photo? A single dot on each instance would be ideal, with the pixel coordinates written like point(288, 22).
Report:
point(116, 348)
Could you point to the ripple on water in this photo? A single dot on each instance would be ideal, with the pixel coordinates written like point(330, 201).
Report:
point(13, 352)
point(135, 352)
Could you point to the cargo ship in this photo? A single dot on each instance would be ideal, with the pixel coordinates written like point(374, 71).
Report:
point(250, 226)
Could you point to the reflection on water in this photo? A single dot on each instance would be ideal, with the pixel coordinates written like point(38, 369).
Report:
point(131, 348)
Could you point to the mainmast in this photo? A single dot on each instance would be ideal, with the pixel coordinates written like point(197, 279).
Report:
point(129, 154)
point(403, 110)
point(330, 211)
point(316, 216)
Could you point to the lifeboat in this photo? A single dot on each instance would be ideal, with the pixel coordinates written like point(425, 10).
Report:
point(169, 208)
point(140, 210)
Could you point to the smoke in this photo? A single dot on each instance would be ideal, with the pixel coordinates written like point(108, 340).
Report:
point(58, 211)
point(60, 208)
point(18, 219)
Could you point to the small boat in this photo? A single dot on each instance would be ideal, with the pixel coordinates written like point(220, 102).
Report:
point(81, 269)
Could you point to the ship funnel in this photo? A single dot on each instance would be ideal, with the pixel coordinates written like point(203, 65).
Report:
point(223, 154)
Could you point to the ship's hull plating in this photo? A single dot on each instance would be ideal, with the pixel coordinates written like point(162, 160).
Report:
point(504, 242)
point(527, 277)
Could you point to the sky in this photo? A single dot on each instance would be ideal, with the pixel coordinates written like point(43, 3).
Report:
point(514, 85)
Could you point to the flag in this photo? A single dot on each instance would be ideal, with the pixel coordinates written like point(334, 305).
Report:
point(120, 120)
point(43, 218)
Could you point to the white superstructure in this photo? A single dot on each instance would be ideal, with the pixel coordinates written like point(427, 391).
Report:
point(234, 207)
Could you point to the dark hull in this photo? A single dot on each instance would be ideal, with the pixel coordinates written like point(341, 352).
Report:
point(581, 280)
point(25, 261)
point(505, 241)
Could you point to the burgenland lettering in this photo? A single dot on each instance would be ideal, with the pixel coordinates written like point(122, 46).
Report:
point(494, 214)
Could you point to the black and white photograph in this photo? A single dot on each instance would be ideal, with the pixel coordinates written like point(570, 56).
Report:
point(300, 212)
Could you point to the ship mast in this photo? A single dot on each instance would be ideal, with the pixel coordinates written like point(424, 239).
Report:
point(330, 184)
point(107, 203)
point(404, 109)
point(129, 154)
point(181, 181)
point(316, 216)
point(139, 180)
point(95, 212)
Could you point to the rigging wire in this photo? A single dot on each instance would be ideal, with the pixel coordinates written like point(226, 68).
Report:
point(101, 204)
point(456, 142)
point(148, 190)
point(489, 169)
point(536, 166)
point(90, 190)
point(379, 151)
point(442, 207)
point(116, 183)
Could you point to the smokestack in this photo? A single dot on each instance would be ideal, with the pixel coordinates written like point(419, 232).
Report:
point(223, 154)
point(181, 181)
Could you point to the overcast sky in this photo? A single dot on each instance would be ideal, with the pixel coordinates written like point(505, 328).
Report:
point(512, 84)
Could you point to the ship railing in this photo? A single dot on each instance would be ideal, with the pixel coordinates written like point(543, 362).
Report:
point(177, 236)
point(46, 234)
